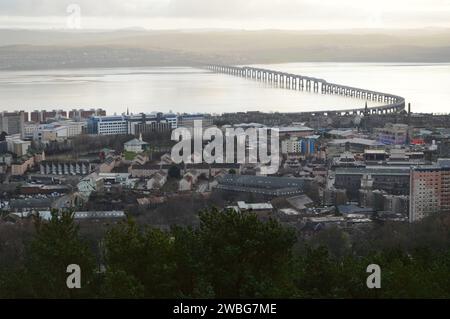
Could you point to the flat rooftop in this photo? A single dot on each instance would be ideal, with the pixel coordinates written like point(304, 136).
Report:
point(373, 170)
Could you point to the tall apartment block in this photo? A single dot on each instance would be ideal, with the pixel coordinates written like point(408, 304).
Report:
point(429, 190)
point(85, 114)
point(43, 116)
point(12, 122)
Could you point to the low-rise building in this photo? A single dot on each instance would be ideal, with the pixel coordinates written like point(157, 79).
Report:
point(260, 209)
point(136, 146)
point(89, 184)
point(99, 215)
point(354, 145)
point(22, 165)
point(65, 167)
point(108, 164)
point(263, 185)
point(295, 131)
point(157, 181)
point(148, 170)
point(188, 181)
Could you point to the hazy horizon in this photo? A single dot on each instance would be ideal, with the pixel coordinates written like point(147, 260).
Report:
point(63, 34)
point(229, 14)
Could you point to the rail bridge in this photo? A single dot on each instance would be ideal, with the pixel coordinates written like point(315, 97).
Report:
point(389, 103)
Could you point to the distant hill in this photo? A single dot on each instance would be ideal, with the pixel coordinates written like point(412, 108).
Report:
point(22, 49)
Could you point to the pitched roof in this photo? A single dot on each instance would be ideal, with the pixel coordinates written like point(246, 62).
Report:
point(135, 142)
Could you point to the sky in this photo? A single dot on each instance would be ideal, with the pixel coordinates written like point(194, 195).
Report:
point(235, 14)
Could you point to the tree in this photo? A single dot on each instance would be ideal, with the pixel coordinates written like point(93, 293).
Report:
point(244, 257)
point(174, 172)
point(141, 259)
point(56, 246)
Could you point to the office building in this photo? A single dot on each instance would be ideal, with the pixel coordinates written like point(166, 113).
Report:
point(131, 124)
point(107, 125)
point(55, 131)
point(394, 180)
point(151, 123)
point(393, 134)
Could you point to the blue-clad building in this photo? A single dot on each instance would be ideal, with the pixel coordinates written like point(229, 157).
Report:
point(126, 124)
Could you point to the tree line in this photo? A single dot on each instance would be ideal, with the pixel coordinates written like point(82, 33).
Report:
point(229, 255)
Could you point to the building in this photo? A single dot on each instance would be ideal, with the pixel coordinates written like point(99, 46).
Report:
point(65, 167)
point(393, 134)
point(151, 128)
point(43, 116)
point(80, 115)
point(346, 159)
point(108, 164)
point(40, 189)
point(99, 215)
point(17, 146)
point(215, 169)
point(333, 196)
point(343, 133)
point(74, 128)
point(295, 131)
point(147, 170)
point(291, 146)
point(394, 180)
point(136, 146)
point(430, 190)
point(260, 209)
point(89, 184)
point(157, 181)
point(140, 159)
point(294, 145)
point(107, 125)
point(188, 181)
point(22, 165)
point(262, 185)
point(375, 156)
point(49, 133)
point(187, 120)
point(151, 123)
point(355, 145)
point(21, 148)
point(29, 129)
point(30, 204)
point(131, 124)
point(12, 123)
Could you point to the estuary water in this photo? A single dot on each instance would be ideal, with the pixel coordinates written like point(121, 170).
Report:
point(183, 89)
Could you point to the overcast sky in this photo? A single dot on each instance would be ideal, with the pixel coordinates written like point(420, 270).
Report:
point(240, 14)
